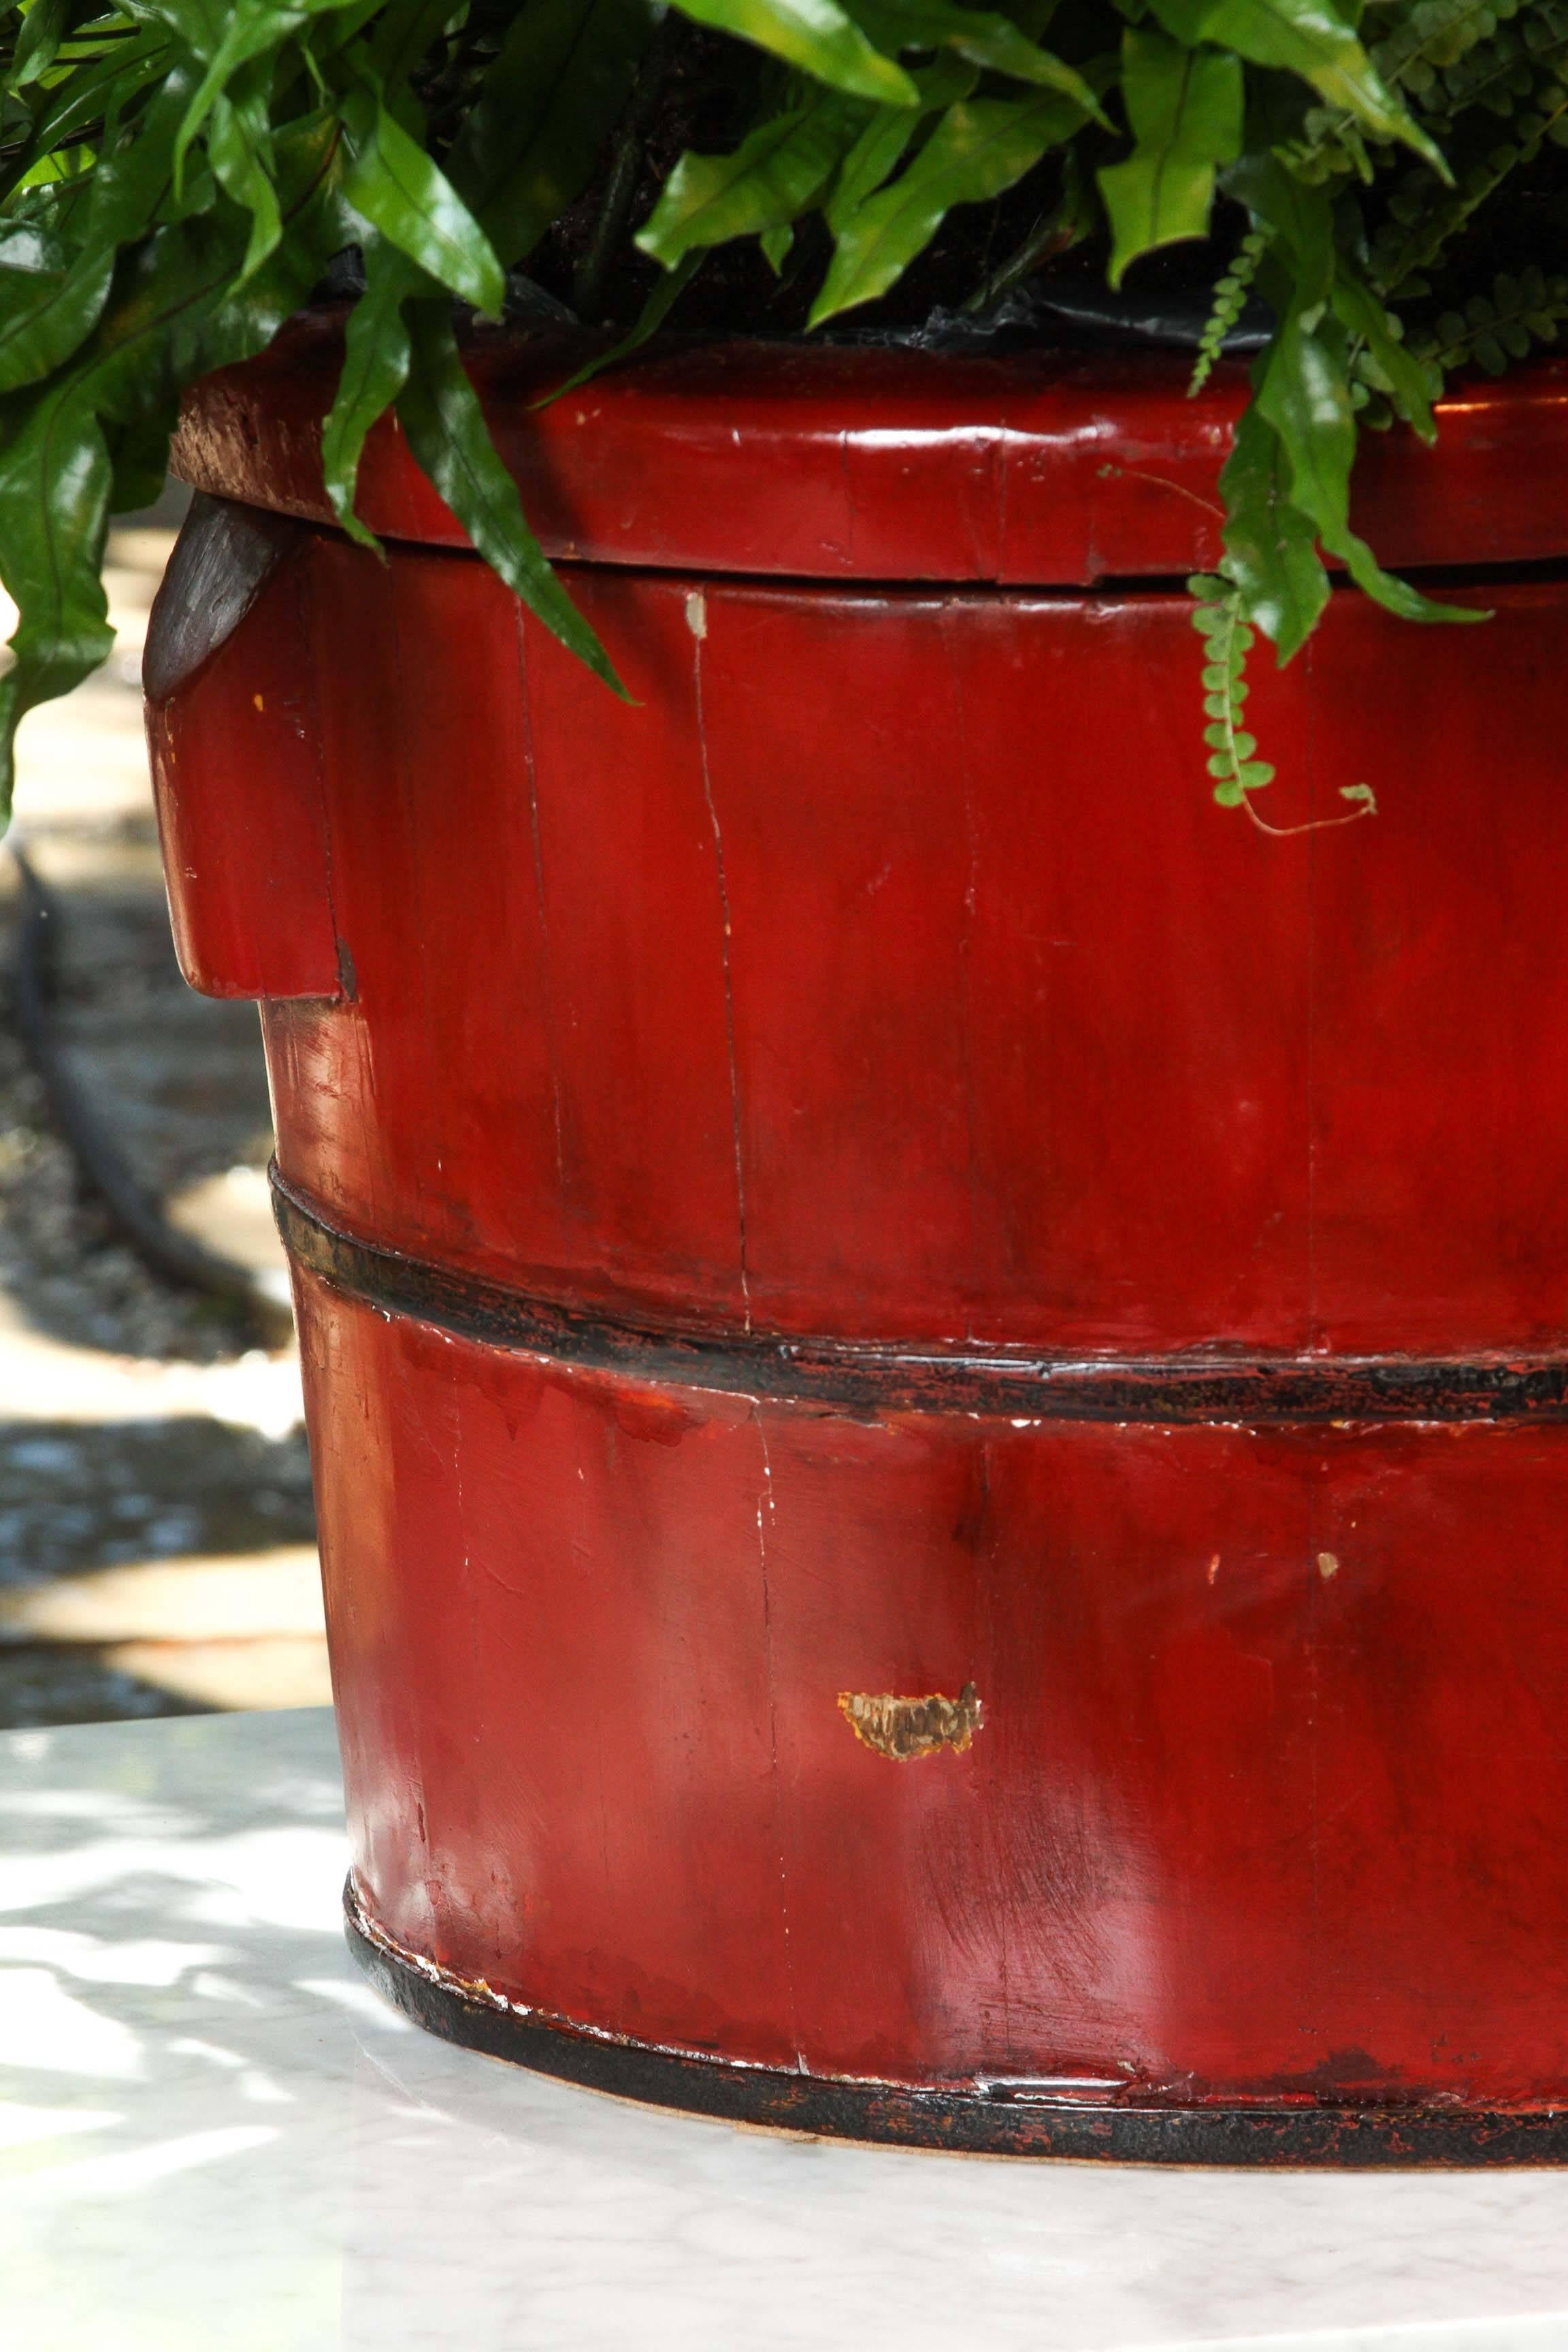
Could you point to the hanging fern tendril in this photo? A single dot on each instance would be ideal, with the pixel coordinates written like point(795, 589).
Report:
point(1228, 641)
point(1230, 295)
point(1233, 763)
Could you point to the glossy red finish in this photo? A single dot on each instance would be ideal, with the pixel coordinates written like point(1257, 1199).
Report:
point(858, 464)
point(886, 971)
point(241, 816)
point(1243, 1831)
point(1032, 1043)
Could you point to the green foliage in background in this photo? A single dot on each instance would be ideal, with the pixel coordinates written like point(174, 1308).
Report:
point(176, 176)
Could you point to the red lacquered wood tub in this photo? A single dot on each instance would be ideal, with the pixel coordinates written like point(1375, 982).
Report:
point(937, 1373)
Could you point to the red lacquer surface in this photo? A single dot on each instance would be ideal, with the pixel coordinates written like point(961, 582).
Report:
point(881, 464)
point(240, 812)
point(1031, 1043)
point(1232, 1826)
point(885, 970)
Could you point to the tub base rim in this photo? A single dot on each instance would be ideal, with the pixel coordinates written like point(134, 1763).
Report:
point(962, 2122)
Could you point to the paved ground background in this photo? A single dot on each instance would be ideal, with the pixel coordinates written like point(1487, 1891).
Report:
point(156, 1538)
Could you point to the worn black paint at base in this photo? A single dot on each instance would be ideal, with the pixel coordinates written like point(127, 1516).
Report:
point(861, 1376)
point(966, 2122)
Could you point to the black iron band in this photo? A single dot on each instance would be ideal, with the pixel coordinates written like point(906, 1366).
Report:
point(874, 1377)
point(967, 2122)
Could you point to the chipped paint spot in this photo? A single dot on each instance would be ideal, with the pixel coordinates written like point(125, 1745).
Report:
point(1213, 1566)
point(1328, 1565)
point(905, 1727)
point(259, 703)
point(696, 614)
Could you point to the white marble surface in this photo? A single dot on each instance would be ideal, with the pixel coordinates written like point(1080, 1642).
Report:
point(212, 2135)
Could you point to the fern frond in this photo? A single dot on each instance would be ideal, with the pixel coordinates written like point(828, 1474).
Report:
point(1237, 772)
point(1425, 216)
point(1493, 332)
point(1502, 74)
point(1413, 60)
point(1434, 37)
point(1228, 641)
point(1230, 295)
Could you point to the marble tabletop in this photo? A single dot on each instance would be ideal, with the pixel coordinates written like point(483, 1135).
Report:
point(213, 2135)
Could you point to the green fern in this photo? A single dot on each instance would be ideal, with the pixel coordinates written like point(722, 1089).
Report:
point(1434, 38)
point(1413, 60)
point(1236, 771)
point(1501, 74)
point(175, 176)
point(1228, 641)
point(1491, 332)
point(1230, 295)
point(1426, 217)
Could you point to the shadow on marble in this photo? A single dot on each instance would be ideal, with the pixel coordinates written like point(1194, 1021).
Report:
point(213, 2133)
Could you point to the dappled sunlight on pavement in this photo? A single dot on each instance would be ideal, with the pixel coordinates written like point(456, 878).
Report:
point(156, 1534)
